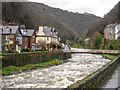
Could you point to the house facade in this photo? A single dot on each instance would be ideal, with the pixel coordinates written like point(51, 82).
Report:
point(117, 31)
point(47, 37)
point(109, 32)
point(29, 39)
point(16, 38)
point(11, 38)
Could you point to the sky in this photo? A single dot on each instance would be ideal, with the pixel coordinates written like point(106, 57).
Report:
point(96, 7)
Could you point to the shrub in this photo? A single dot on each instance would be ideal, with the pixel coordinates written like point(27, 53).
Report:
point(7, 51)
point(26, 50)
point(16, 52)
point(10, 51)
point(112, 45)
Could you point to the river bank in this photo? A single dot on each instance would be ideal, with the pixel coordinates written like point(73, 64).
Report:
point(61, 76)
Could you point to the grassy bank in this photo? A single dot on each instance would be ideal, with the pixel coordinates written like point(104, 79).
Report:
point(1, 57)
point(111, 57)
point(14, 70)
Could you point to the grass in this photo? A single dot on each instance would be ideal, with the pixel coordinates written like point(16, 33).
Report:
point(14, 70)
point(77, 46)
point(1, 57)
point(111, 57)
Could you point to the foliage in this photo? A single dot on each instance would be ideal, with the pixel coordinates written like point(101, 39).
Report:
point(77, 46)
point(99, 42)
point(111, 57)
point(7, 51)
point(112, 17)
point(68, 24)
point(13, 69)
point(112, 45)
point(41, 44)
point(26, 50)
point(96, 41)
point(1, 57)
point(70, 42)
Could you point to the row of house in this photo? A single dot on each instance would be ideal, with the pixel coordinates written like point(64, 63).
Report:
point(112, 32)
point(17, 38)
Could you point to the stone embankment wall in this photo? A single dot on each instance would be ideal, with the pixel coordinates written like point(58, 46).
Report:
point(21, 59)
point(97, 79)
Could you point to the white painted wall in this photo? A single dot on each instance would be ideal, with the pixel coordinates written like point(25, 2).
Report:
point(117, 28)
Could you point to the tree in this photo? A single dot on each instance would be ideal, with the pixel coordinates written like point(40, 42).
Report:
point(41, 44)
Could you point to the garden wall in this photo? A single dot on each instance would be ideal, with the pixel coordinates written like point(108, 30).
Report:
point(21, 59)
point(96, 79)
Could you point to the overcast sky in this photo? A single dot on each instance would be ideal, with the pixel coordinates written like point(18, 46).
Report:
point(97, 7)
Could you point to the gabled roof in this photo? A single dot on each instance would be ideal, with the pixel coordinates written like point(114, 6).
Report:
point(28, 32)
point(12, 28)
point(47, 31)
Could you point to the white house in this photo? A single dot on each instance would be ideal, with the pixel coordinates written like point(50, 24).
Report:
point(117, 29)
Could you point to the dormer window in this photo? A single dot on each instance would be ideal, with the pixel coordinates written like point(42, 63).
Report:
point(7, 30)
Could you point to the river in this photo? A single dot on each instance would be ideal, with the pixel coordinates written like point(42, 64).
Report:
point(61, 76)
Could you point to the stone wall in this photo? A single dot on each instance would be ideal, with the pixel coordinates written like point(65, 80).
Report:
point(21, 59)
point(97, 79)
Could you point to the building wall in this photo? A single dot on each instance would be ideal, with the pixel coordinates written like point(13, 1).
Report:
point(109, 33)
point(25, 41)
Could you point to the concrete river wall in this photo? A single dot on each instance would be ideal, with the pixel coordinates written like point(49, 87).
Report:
point(21, 59)
point(97, 79)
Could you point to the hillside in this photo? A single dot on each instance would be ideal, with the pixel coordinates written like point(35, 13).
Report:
point(98, 41)
point(32, 15)
point(111, 17)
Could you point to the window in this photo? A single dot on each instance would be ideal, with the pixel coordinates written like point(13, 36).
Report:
point(11, 37)
point(33, 39)
point(7, 39)
point(47, 38)
point(17, 38)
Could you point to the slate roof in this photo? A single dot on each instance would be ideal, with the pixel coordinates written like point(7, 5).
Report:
point(47, 31)
point(110, 25)
point(13, 29)
point(28, 32)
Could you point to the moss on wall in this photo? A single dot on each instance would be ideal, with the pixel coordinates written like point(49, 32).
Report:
point(21, 59)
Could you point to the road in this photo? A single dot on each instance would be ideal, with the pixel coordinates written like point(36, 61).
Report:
point(114, 81)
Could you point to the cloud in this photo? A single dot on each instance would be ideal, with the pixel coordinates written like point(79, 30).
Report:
point(97, 7)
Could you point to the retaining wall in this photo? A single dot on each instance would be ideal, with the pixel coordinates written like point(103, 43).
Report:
point(96, 79)
point(21, 59)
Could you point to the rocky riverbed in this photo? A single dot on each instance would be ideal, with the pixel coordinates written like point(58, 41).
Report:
point(78, 67)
